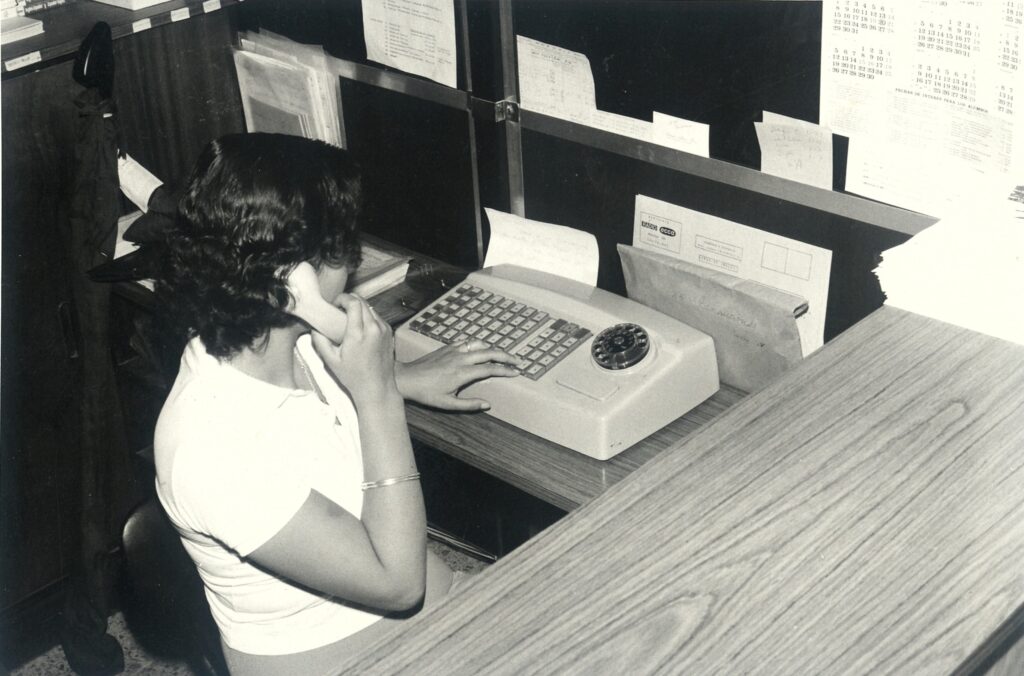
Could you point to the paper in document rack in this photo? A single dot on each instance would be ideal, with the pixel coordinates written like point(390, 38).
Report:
point(754, 326)
point(741, 251)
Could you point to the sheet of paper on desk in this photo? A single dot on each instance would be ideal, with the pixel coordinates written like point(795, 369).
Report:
point(555, 249)
point(795, 149)
point(742, 251)
point(967, 269)
point(416, 36)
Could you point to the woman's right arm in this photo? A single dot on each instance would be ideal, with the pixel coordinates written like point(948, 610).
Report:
point(380, 559)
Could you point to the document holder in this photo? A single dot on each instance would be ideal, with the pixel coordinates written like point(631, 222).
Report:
point(754, 326)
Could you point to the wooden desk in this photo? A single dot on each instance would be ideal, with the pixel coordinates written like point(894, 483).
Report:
point(548, 471)
point(864, 514)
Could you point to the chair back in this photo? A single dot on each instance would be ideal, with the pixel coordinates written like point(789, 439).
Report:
point(165, 604)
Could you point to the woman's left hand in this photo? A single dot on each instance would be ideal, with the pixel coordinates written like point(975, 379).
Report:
point(436, 378)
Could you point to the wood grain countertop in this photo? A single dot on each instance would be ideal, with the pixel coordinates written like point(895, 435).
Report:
point(862, 515)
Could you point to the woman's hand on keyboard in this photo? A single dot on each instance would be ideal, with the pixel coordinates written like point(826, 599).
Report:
point(435, 379)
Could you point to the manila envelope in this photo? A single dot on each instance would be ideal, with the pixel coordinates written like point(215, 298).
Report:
point(753, 325)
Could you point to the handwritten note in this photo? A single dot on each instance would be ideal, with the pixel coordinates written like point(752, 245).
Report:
point(416, 36)
point(555, 249)
point(555, 81)
point(675, 132)
point(623, 125)
point(795, 149)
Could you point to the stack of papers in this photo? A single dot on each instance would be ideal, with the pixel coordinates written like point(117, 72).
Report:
point(379, 270)
point(287, 88)
point(967, 269)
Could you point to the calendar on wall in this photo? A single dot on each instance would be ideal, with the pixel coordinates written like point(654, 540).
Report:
point(927, 92)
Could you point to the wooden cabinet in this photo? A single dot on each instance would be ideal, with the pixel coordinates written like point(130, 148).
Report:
point(38, 417)
point(174, 92)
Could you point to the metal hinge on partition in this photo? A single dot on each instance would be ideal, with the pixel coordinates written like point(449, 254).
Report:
point(506, 111)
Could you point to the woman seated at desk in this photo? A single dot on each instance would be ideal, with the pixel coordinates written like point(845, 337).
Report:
point(283, 458)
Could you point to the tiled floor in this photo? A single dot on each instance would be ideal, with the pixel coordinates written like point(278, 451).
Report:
point(139, 661)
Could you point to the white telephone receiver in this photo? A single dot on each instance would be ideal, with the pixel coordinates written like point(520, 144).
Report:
point(310, 306)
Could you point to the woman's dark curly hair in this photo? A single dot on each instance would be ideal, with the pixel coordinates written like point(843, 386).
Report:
point(255, 206)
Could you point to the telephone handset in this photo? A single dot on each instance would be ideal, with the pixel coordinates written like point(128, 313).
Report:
point(309, 305)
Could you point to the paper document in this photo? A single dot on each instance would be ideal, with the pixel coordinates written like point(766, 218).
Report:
point(555, 249)
point(795, 149)
point(622, 125)
point(286, 88)
point(323, 108)
point(717, 244)
point(378, 271)
point(555, 81)
point(415, 36)
point(967, 269)
point(907, 177)
point(136, 182)
point(123, 247)
point(559, 82)
point(276, 96)
point(923, 77)
point(675, 132)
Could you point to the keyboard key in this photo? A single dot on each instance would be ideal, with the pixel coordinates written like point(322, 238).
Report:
point(472, 312)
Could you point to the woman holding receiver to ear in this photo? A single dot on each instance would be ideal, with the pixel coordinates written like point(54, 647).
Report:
point(283, 458)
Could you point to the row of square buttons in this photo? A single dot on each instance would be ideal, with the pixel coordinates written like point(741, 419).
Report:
point(470, 312)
